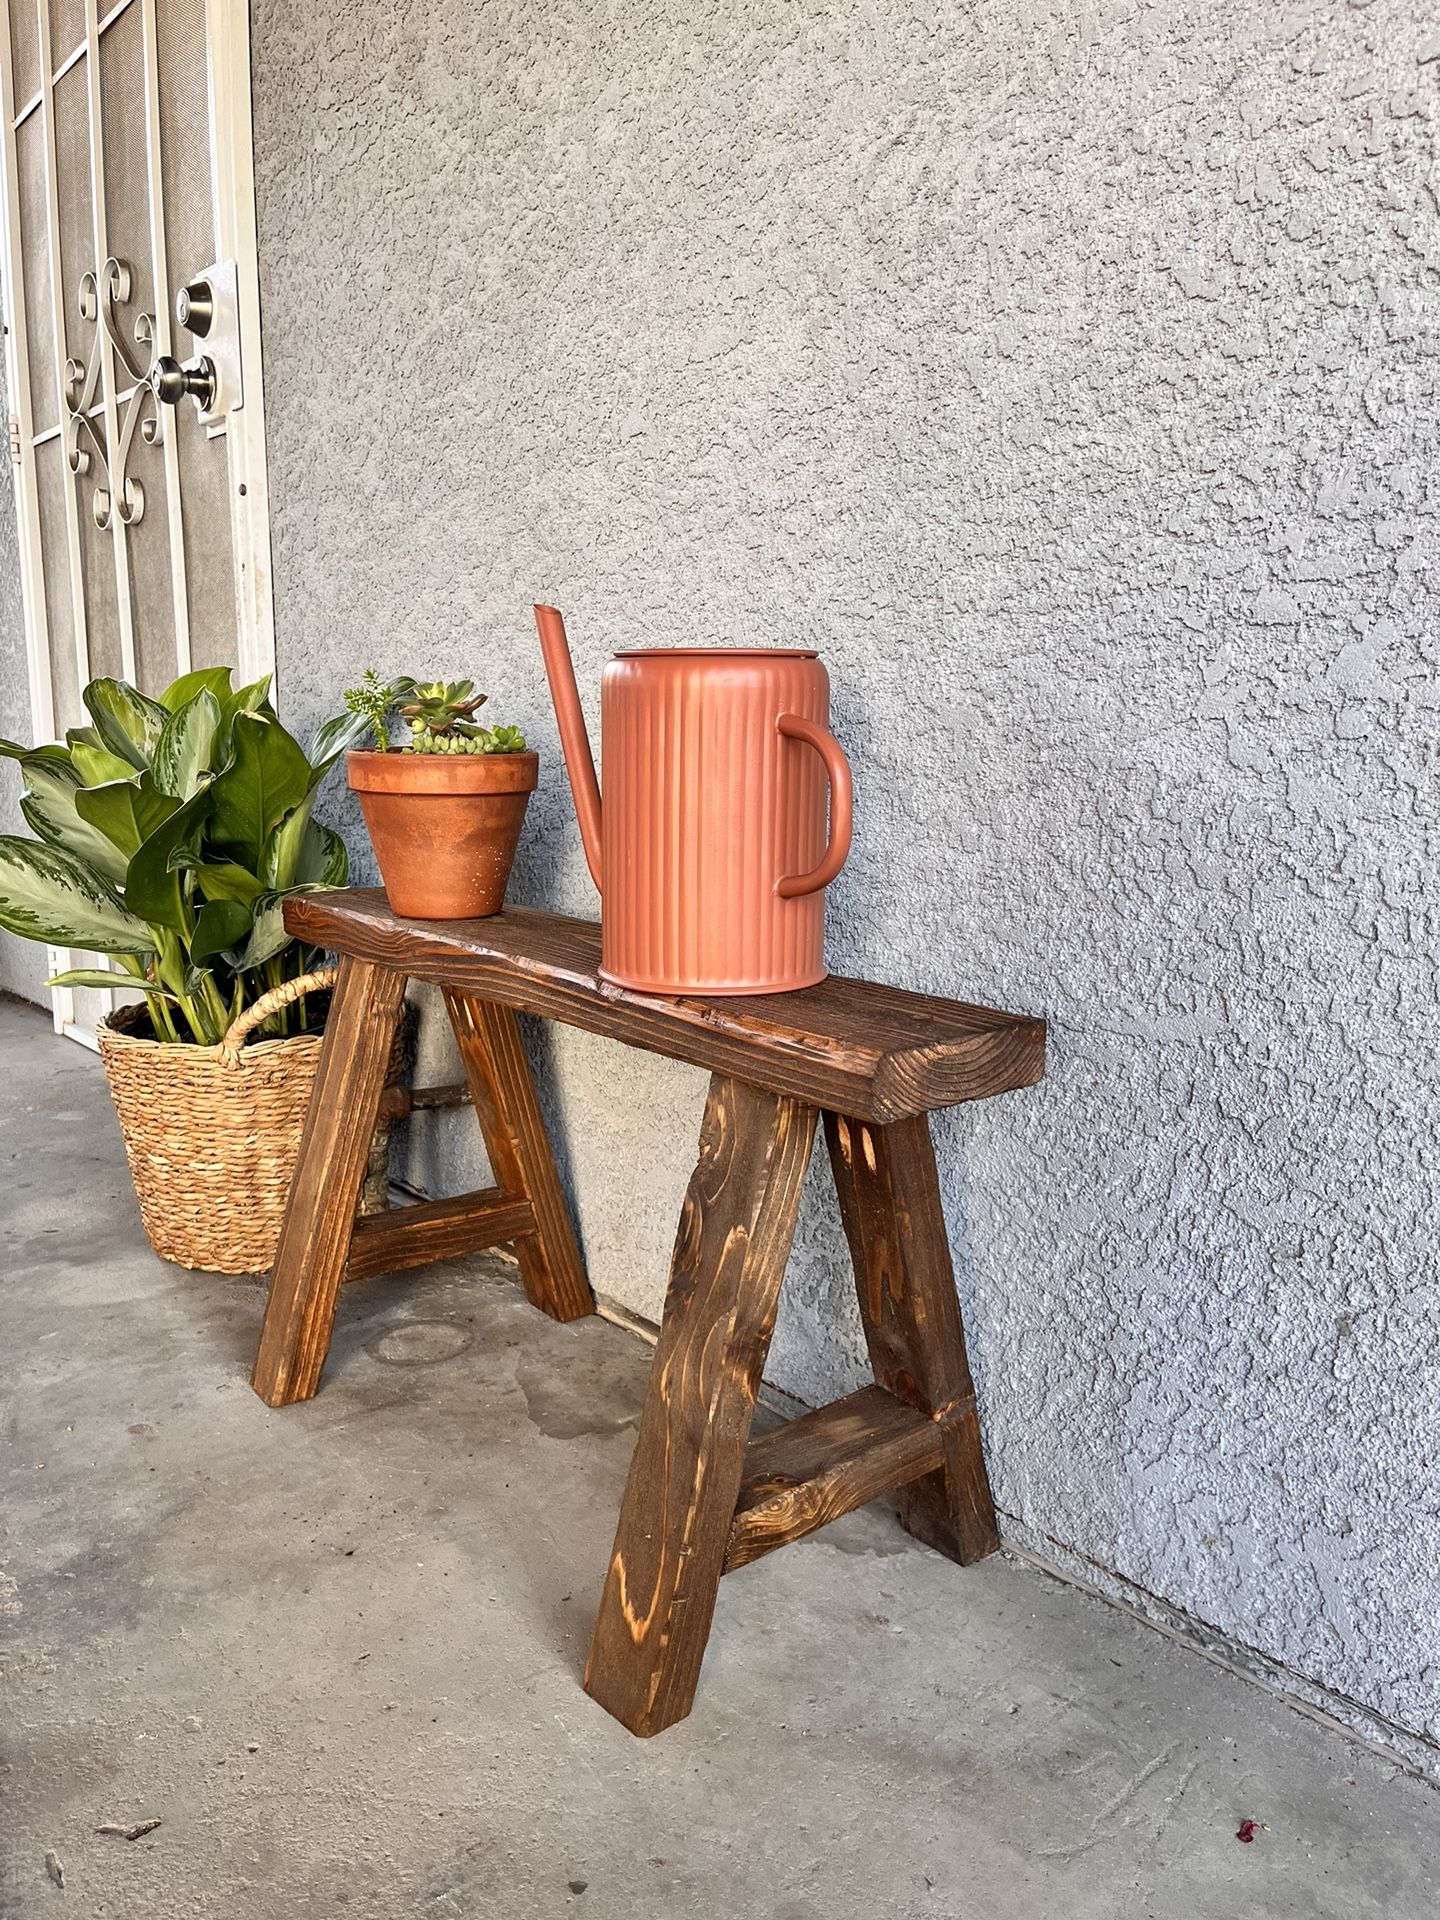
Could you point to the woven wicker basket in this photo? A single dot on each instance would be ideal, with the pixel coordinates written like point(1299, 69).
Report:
point(212, 1133)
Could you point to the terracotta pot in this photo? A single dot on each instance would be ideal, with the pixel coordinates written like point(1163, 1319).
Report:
point(444, 826)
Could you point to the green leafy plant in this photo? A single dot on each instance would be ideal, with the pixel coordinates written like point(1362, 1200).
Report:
point(439, 716)
point(169, 833)
point(373, 702)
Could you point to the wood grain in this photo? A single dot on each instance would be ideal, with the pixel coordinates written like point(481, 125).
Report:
point(437, 1230)
point(809, 1471)
point(873, 1051)
point(315, 1239)
point(889, 1196)
point(501, 1086)
point(729, 1261)
point(398, 1103)
point(696, 1504)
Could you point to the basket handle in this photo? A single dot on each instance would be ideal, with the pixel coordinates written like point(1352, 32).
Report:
point(268, 1003)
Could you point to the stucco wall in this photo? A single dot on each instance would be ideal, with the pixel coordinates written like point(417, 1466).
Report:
point(1068, 375)
point(22, 964)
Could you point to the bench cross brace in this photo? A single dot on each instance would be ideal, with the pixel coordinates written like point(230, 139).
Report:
point(323, 1243)
point(703, 1498)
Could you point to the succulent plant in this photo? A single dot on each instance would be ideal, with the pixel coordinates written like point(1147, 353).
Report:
point(437, 715)
point(373, 700)
point(445, 706)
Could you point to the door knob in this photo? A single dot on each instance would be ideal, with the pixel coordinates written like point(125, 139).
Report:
point(170, 381)
point(195, 307)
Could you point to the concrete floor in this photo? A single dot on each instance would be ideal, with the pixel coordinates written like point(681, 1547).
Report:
point(336, 1651)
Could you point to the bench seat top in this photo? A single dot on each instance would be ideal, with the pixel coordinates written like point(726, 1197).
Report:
point(873, 1052)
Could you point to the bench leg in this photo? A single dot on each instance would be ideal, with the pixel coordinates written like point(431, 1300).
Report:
point(506, 1106)
point(334, 1149)
point(889, 1196)
point(729, 1261)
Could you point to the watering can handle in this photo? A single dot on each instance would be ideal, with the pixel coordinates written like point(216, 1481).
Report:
point(795, 727)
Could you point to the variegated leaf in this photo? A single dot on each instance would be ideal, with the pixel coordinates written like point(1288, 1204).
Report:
point(47, 895)
point(324, 859)
point(183, 751)
point(104, 982)
point(49, 807)
point(127, 721)
point(267, 937)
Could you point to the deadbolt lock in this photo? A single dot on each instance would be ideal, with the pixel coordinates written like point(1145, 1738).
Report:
point(195, 307)
point(171, 381)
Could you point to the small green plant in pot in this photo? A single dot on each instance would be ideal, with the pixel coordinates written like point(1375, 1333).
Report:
point(444, 809)
point(169, 833)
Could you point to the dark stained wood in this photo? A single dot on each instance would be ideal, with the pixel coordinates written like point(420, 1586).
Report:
point(339, 1125)
point(501, 1086)
point(398, 1103)
point(437, 1230)
point(889, 1196)
point(697, 1505)
point(669, 1552)
point(808, 1472)
point(874, 1051)
point(433, 1099)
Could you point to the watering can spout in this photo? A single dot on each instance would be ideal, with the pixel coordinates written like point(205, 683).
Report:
point(579, 761)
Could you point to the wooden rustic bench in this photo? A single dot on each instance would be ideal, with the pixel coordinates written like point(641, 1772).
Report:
point(703, 1498)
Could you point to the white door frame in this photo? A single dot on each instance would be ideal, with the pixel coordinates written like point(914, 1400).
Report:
point(232, 170)
point(233, 184)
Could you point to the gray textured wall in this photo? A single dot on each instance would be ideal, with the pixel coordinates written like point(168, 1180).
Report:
point(1068, 375)
point(22, 964)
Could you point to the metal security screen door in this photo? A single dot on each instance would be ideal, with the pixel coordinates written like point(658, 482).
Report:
point(144, 533)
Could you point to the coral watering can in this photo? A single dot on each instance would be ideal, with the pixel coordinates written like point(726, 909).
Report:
point(711, 852)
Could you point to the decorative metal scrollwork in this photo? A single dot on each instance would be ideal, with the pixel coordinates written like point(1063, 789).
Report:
point(118, 496)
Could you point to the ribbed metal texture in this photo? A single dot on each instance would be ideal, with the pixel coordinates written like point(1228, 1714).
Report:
point(706, 807)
